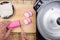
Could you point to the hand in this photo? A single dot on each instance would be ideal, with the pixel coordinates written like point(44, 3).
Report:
point(23, 35)
point(4, 33)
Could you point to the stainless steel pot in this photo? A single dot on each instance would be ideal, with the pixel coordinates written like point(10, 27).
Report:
point(48, 20)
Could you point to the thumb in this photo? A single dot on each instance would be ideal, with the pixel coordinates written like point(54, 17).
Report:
point(7, 34)
point(22, 35)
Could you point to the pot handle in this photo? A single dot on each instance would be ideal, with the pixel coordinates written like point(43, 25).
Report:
point(37, 5)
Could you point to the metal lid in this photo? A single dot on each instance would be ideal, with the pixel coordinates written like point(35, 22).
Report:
point(48, 20)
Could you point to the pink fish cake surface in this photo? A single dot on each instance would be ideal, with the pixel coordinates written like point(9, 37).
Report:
point(14, 24)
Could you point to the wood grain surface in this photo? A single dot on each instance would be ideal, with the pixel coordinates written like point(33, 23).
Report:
point(19, 9)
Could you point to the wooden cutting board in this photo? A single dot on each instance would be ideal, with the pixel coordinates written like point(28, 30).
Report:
point(19, 9)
